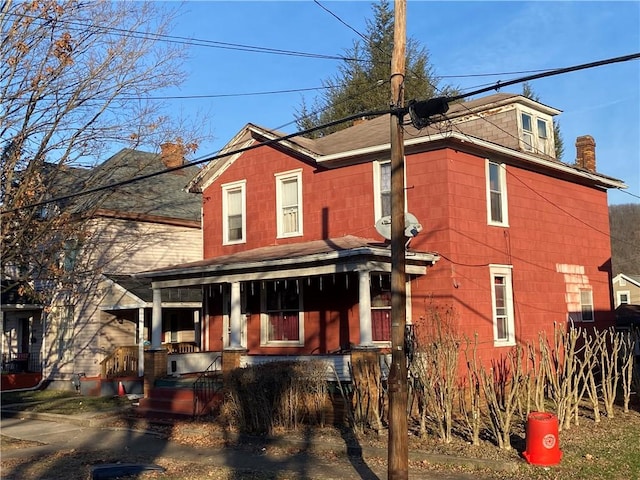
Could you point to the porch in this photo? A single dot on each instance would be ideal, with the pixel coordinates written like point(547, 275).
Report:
point(22, 362)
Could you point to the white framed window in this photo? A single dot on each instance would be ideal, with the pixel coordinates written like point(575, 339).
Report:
point(497, 210)
point(502, 305)
point(282, 318)
point(382, 189)
point(234, 215)
point(381, 308)
point(536, 134)
point(289, 203)
point(586, 305)
point(622, 297)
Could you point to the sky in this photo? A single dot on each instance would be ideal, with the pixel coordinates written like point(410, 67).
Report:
point(471, 45)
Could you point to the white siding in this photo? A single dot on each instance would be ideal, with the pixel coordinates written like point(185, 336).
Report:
point(118, 247)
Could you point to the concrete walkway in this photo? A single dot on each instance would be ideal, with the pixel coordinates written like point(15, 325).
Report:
point(83, 433)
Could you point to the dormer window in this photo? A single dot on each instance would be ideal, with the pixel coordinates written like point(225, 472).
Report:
point(535, 134)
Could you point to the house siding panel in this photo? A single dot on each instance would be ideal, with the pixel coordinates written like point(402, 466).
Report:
point(552, 223)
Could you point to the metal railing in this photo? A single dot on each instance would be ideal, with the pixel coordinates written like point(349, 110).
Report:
point(206, 386)
point(23, 362)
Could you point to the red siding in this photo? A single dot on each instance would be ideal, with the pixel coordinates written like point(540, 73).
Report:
point(552, 222)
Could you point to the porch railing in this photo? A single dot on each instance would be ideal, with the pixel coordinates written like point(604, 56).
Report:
point(21, 362)
point(207, 386)
point(123, 361)
point(181, 347)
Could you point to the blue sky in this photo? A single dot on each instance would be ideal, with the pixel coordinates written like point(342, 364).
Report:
point(463, 38)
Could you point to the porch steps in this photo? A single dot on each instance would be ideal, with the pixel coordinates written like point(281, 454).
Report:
point(178, 397)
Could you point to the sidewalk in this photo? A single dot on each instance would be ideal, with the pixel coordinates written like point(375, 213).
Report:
point(84, 433)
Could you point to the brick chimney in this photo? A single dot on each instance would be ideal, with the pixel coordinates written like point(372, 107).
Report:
point(172, 154)
point(586, 153)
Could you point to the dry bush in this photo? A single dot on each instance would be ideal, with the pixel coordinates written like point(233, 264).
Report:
point(263, 397)
point(434, 369)
point(368, 399)
point(502, 385)
point(588, 371)
point(609, 365)
point(470, 399)
point(560, 363)
point(627, 359)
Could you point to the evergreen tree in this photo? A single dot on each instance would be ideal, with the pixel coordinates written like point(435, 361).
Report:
point(362, 82)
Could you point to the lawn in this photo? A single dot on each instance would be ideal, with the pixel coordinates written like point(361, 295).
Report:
point(61, 402)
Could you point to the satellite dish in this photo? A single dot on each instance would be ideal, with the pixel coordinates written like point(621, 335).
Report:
point(411, 226)
point(383, 227)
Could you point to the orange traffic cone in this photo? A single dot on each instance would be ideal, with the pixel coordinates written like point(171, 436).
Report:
point(121, 392)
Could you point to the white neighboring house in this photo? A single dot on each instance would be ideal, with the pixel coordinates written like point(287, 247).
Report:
point(145, 225)
point(626, 289)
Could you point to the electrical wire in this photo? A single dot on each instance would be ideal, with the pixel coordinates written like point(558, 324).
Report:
point(395, 111)
point(196, 162)
point(192, 42)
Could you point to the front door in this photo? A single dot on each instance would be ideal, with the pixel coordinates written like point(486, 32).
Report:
point(23, 335)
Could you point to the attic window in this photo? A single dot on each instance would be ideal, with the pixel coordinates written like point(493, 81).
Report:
point(527, 132)
point(535, 135)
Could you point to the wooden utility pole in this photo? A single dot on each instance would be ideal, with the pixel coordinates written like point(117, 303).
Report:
point(398, 449)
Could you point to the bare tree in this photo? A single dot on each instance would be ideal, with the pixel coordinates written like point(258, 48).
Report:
point(75, 80)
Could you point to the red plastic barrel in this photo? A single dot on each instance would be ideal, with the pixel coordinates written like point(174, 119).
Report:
point(543, 446)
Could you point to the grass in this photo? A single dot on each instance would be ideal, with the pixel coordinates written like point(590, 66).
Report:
point(61, 402)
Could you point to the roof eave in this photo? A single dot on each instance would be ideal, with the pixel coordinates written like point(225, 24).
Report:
point(345, 158)
point(327, 257)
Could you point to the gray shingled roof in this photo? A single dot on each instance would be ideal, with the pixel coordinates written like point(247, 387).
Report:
point(141, 288)
point(281, 252)
point(162, 195)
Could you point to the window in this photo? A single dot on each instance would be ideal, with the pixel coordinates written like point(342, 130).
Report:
point(502, 301)
point(70, 255)
point(527, 132)
point(282, 318)
point(535, 134)
point(233, 213)
point(496, 194)
point(623, 297)
point(382, 189)
point(586, 305)
point(381, 308)
point(289, 203)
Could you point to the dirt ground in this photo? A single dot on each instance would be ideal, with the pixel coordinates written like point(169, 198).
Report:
point(588, 451)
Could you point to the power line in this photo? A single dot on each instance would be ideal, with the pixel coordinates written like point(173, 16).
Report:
point(192, 42)
point(196, 162)
point(395, 111)
point(550, 73)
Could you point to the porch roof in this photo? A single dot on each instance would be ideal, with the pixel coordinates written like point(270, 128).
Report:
point(319, 257)
point(141, 288)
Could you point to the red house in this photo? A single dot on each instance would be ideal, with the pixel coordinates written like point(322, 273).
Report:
point(512, 239)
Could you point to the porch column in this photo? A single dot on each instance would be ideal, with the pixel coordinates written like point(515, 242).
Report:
point(156, 320)
point(366, 334)
point(197, 329)
point(141, 342)
point(234, 320)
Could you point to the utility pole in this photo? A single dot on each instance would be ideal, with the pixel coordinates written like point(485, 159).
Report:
point(398, 448)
